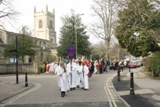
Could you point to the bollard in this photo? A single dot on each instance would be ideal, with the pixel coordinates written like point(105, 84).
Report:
point(26, 80)
point(132, 84)
point(118, 74)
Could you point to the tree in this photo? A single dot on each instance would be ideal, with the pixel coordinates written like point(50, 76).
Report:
point(98, 50)
point(67, 35)
point(25, 45)
point(136, 26)
point(105, 12)
point(7, 12)
point(50, 58)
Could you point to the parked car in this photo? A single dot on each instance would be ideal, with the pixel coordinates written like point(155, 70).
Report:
point(138, 63)
point(133, 64)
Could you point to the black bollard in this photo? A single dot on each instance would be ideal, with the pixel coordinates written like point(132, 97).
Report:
point(118, 74)
point(26, 80)
point(132, 84)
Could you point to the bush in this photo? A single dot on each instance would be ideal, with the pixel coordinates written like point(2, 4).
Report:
point(154, 64)
point(41, 68)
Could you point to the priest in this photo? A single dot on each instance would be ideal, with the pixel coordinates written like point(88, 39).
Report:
point(84, 77)
point(71, 71)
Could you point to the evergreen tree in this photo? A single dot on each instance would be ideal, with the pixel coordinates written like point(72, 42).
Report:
point(25, 45)
point(71, 27)
point(136, 27)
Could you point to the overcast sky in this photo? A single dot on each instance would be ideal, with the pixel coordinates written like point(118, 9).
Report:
point(61, 7)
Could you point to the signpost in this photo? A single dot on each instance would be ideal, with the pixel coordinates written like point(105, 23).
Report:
point(16, 50)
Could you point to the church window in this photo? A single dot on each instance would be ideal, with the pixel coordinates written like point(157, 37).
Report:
point(51, 24)
point(40, 44)
point(40, 24)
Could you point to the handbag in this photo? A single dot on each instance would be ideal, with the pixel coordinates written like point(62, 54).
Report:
point(89, 74)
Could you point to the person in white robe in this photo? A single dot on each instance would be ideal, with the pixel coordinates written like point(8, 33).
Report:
point(51, 67)
point(84, 76)
point(79, 74)
point(61, 72)
point(71, 70)
point(76, 74)
point(56, 70)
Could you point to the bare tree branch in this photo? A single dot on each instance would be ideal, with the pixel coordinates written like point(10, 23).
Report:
point(106, 13)
point(7, 12)
point(157, 1)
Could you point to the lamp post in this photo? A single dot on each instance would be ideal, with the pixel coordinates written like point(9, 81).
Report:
point(76, 33)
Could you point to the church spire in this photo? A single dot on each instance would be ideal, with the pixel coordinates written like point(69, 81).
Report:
point(46, 8)
point(53, 11)
point(34, 9)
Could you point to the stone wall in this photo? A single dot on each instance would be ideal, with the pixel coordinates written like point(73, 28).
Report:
point(22, 68)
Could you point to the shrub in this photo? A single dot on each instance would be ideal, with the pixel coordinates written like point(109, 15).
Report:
point(154, 64)
point(41, 67)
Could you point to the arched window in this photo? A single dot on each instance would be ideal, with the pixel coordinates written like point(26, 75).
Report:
point(50, 24)
point(40, 24)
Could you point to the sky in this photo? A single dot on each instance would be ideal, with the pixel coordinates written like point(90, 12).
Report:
point(61, 7)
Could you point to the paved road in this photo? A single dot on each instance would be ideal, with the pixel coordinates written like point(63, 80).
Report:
point(46, 93)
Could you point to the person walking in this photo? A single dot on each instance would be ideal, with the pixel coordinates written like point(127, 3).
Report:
point(56, 72)
point(84, 76)
point(62, 73)
point(71, 70)
point(96, 68)
point(100, 67)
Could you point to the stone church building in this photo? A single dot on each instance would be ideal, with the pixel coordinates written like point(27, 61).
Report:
point(44, 35)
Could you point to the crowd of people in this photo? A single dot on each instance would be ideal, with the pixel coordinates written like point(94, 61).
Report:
point(73, 75)
point(76, 73)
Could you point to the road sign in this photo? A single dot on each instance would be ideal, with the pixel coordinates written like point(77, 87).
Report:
point(13, 50)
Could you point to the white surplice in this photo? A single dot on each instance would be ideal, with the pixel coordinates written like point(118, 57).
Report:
point(79, 71)
point(62, 78)
point(56, 72)
point(71, 71)
point(84, 77)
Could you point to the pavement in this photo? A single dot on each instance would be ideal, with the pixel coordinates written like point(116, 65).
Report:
point(147, 89)
point(10, 89)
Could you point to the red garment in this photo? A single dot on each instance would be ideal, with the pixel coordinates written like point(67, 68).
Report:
point(100, 65)
point(87, 63)
point(47, 68)
point(89, 74)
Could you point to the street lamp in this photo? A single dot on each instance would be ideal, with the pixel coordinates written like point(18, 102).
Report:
point(76, 33)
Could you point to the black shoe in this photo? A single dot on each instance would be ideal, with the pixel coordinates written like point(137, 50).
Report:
point(77, 86)
point(82, 88)
point(62, 94)
point(71, 89)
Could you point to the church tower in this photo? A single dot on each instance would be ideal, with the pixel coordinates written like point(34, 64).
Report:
point(44, 25)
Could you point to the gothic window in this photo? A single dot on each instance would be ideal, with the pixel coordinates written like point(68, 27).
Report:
point(41, 56)
point(40, 24)
point(40, 44)
point(50, 25)
point(1, 40)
